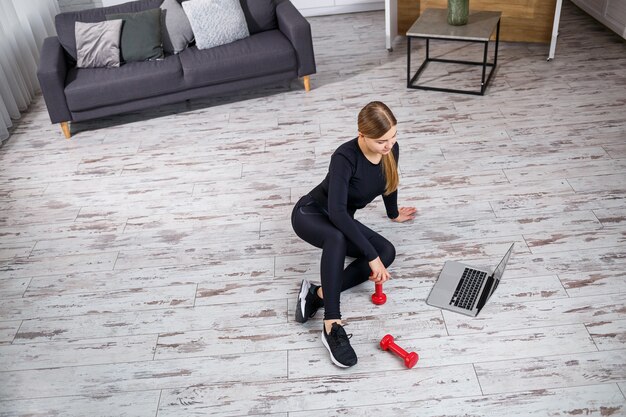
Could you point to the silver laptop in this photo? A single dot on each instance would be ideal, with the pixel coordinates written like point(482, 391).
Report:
point(465, 289)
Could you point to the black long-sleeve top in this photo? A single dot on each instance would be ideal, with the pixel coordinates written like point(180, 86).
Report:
point(352, 183)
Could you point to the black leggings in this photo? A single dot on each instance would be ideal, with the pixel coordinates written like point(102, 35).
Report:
point(311, 223)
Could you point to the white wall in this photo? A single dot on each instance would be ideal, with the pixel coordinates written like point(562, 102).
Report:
point(73, 5)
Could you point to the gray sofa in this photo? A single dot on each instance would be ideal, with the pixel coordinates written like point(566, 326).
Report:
point(278, 49)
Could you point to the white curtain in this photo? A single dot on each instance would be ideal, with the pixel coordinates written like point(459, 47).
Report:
point(24, 24)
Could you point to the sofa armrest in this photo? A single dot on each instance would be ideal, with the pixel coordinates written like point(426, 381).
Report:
point(51, 74)
point(298, 30)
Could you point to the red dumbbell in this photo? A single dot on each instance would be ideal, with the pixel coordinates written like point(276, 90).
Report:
point(410, 359)
point(379, 297)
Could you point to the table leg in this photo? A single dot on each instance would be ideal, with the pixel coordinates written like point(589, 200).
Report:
point(555, 29)
point(495, 57)
point(408, 62)
point(482, 81)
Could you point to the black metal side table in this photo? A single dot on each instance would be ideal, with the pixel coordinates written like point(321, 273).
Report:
point(433, 24)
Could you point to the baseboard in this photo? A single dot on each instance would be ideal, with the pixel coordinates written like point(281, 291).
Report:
point(349, 8)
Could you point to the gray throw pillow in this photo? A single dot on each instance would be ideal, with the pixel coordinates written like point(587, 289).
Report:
point(98, 44)
point(141, 35)
point(216, 22)
point(176, 30)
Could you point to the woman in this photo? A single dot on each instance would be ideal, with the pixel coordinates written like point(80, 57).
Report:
point(360, 170)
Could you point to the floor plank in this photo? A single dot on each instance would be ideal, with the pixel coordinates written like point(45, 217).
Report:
point(299, 394)
point(565, 370)
point(77, 352)
point(136, 403)
point(142, 375)
point(592, 400)
point(150, 322)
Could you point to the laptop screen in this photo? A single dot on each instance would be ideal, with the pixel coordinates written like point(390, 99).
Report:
point(497, 274)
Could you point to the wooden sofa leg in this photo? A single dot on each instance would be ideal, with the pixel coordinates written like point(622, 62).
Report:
point(307, 83)
point(65, 127)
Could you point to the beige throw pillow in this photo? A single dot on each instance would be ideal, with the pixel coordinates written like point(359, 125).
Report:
point(98, 44)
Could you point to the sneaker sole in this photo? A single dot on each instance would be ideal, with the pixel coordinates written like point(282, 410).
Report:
point(304, 290)
point(332, 358)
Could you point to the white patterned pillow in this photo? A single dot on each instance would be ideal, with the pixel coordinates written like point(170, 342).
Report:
point(216, 22)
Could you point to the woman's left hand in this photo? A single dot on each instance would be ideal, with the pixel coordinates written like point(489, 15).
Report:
point(406, 214)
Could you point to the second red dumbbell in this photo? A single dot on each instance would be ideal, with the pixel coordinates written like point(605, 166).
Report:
point(410, 359)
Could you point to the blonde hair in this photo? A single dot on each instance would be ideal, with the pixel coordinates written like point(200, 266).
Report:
point(375, 119)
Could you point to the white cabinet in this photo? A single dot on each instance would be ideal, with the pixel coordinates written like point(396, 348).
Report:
point(325, 7)
point(612, 13)
point(615, 14)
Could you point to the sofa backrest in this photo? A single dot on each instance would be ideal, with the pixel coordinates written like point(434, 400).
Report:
point(65, 22)
point(260, 16)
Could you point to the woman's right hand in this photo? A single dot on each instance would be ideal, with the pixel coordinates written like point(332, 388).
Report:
point(379, 272)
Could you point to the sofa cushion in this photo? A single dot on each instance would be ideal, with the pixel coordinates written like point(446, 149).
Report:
point(176, 29)
point(261, 54)
point(64, 22)
point(98, 44)
point(88, 88)
point(216, 22)
point(141, 35)
point(260, 15)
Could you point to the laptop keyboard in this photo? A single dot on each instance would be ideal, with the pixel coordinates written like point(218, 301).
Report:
point(467, 290)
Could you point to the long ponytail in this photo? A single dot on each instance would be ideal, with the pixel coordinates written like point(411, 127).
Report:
point(390, 169)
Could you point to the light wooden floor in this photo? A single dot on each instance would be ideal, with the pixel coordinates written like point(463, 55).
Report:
point(148, 266)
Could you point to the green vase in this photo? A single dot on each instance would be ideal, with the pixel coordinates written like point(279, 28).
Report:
point(458, 12)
